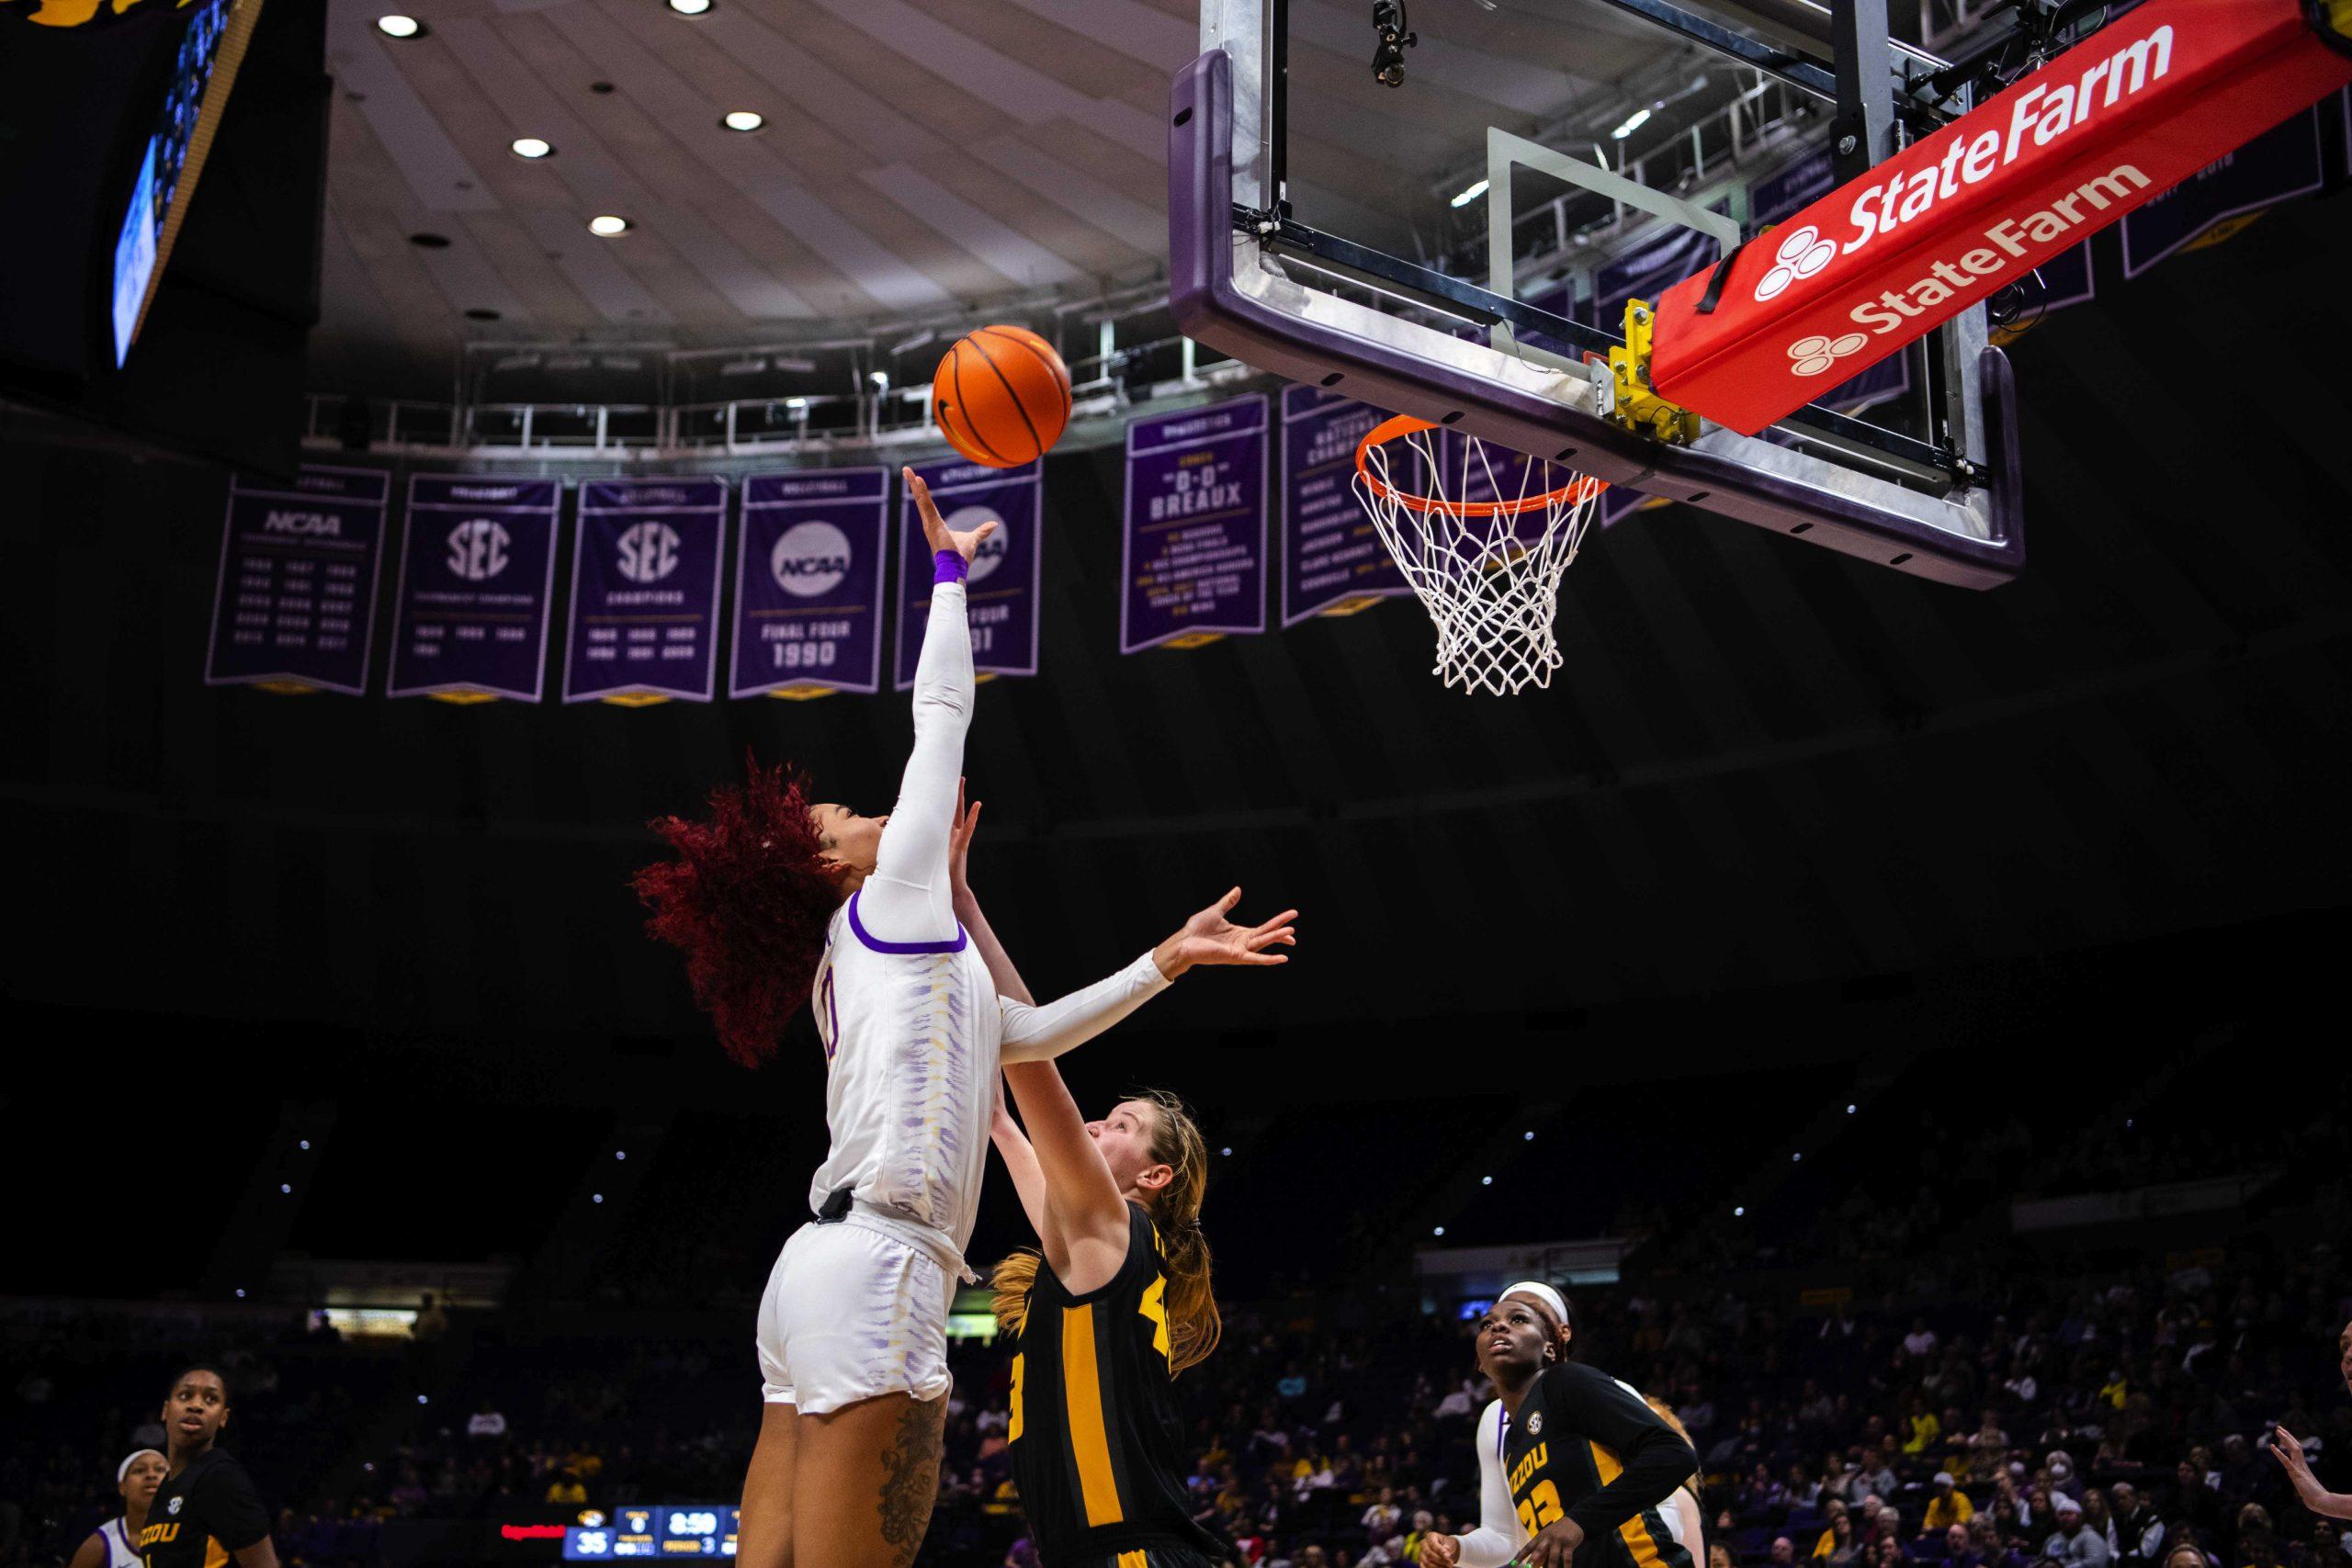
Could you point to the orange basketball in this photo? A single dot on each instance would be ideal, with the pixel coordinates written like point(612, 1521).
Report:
point(1002, 396)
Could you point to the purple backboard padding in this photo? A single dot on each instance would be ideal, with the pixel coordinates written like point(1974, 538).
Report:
point(1210, 310)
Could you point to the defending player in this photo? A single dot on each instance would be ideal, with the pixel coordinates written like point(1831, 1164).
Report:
point(777, 901)
point(206, 1512)
point(1574, 1467)
point(114, 1544)
point(1113, 1306)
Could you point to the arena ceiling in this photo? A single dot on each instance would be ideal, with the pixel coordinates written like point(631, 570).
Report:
point(917, 158)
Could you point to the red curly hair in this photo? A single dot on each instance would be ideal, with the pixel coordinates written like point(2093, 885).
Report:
point(747, 900)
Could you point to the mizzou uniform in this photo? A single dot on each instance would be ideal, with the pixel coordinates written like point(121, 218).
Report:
point(1096, 1438)
point(1585, 1447)
point(204, 1516)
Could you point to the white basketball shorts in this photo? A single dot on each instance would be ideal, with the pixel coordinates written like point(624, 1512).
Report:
point(851, 1313)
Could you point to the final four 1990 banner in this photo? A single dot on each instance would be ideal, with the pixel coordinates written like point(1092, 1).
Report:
point(295, 605)
point(808, 582)
point(477, 569)
point(1193, 560)
point(644, 621)
point(1002, 589)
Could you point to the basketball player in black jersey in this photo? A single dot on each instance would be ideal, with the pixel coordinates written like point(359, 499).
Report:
point(1589, 1466)
point(1113, 1304)
point(206, 1513)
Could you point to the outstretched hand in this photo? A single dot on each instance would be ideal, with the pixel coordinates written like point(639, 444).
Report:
point(936, 530)
point(1210, 938)
point(966, 823)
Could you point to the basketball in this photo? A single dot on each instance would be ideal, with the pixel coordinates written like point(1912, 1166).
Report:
point(1002, 396)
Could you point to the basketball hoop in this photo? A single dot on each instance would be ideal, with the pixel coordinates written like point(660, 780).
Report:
point(1487, 570)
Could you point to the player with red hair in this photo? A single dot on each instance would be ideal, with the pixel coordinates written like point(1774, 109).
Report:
point(777, 901)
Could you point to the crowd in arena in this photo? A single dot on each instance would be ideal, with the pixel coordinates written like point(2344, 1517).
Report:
point(1982, 1416)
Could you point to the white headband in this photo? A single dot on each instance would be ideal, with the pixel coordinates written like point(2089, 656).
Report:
point(1544, 1294)
point(123, 1470)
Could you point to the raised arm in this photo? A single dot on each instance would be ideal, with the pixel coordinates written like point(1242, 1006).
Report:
point(907, 897)
point(1041, 1033)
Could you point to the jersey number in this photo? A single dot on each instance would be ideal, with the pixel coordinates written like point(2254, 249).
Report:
point(828, 1018)
point(1541, 1506)
point(1012, 1428)
point(1155, 1307)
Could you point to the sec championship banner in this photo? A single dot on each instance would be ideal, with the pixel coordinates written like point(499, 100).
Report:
point(808, 582)
point(1002, 589)
point(1193, 562)
point(294, 608)
point(477, 573)
point(1333, 561)
point(644, 620)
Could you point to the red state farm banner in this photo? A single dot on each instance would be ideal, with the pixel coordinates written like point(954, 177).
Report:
point(2115, 121)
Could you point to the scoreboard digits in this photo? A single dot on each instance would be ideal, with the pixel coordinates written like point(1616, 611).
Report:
point(692, 1530)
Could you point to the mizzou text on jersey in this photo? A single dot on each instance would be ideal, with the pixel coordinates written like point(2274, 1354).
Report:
point(1095, 1434)
point(203, 1516)
point(1585, 1447)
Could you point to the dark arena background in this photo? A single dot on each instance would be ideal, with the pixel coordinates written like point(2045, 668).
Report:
point(1905, 1021)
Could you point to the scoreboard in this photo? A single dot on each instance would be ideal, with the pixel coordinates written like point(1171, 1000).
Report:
point(690, 1530)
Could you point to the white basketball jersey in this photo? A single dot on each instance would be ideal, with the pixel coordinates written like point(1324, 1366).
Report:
point(912, 1034)
point(116, 1534)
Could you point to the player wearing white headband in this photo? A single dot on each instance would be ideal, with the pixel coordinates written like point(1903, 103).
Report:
point(115, 1544)
point(1576, 1471)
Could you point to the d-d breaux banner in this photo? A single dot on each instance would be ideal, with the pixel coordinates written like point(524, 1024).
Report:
point(1193, 560)
point(477, 573)
point(1002, 591)
point(644, 621)
point(808, 582)
point(294, 608)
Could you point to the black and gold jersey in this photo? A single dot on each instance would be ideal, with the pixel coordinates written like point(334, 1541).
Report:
point(1586, 1447)
point(203, 1516)
point(1097, 1440)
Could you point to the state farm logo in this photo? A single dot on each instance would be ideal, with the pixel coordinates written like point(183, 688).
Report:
point(1814, 355)
point(1801, 255)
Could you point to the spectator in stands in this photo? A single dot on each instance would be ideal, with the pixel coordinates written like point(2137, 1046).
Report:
point(431, 1321)
point(1949, 1506)
point(2075, 1543)
point(1837, 1528)
point(566, 1491)
point(1719, 1556)
point(1921, 1341)
point(1380, 1519)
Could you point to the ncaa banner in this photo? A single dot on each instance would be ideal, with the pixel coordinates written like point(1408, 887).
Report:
point(1333, 561)
point(477, 573)
point(2221, 199)
point(294, 606)
point(643, 625)
point(1192, 558)
point(808, 583)
point(1002, 590)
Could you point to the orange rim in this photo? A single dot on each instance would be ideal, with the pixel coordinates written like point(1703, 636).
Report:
point(1575, 493)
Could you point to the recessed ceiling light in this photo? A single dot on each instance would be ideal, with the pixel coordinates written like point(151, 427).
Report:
point(398, 26)
point(742, 119)
point(531, 147)
point(430, 241)
point(607, 225)
point(690, 8)
point(481, 313)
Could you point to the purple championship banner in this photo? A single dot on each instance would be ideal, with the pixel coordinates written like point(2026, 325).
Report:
point(294, 606)
point(644, 617)
point(808, 582)
point(1002, 590)
point(477, 574)
point(2226, 195)
point(1333, 561)
point(1193, 555)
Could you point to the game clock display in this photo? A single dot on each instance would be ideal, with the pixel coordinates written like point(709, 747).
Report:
point(694, 1529)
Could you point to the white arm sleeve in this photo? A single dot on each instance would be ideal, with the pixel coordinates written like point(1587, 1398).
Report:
point(1041, 1033)
point(1497, 1537)
point(907, 899)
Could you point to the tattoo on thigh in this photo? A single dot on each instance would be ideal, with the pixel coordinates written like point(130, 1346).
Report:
point(910, 1478)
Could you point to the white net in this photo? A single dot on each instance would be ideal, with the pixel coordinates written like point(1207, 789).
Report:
point(1483, 540)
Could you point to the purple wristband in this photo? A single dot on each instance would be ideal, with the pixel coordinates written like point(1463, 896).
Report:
point(948, 567)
